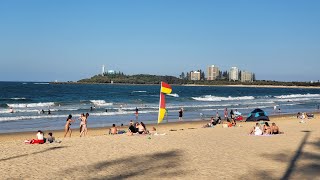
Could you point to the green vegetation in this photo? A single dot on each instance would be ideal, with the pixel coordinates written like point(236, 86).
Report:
point(121, 78)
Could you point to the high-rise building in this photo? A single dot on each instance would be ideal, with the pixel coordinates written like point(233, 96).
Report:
point(234, 74)
point(246, 76)
point(213, 72)
point(195, 75)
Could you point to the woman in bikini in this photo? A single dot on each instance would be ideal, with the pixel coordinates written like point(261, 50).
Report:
point(141, 128)
point(67, 128)
point(266, 128)
point(83, 124)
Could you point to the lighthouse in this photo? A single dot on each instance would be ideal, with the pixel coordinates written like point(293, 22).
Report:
point(103, 70)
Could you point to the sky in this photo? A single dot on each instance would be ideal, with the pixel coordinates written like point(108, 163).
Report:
point(71, 40)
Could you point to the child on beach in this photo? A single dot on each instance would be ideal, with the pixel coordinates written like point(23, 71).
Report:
point(52, 139)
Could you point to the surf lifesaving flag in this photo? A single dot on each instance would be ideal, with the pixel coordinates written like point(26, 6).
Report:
point(165, 89)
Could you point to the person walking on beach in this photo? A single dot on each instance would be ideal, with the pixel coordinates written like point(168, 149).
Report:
point(180, 114)
point(67, 128)
point(82, 124)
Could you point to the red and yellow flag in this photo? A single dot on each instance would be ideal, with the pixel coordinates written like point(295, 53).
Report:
point(165, 88)
point(162, 108)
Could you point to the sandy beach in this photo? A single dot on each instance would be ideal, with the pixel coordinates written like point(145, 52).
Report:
point(189, 152)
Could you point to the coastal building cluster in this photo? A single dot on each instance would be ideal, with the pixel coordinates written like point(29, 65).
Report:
point(214, 73)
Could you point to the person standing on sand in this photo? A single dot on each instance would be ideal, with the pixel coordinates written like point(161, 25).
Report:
point(180, 114)
point(86, 129)
point(137, 113)
point(67, 128)
point(225, 113)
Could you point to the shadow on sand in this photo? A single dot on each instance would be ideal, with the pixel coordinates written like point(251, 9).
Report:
point(43, 151)
point(309, 170)
point(162, 164)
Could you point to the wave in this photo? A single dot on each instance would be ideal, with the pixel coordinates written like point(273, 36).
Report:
point(31, 105)
point(101, 103)
point(17, 118)
point(217, 98)
point(173, 95)
point(139, 91)
point(22, 98)
point(14, 99)
point(298, 96)
point(41, 83)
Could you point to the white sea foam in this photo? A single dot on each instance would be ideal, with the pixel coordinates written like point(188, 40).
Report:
point(139, 91)
point(217, 98)
point(17, 118)
point(18, 98)
point(31, 105)
point(41, 83)
point(173, 95)
point(298, 96)
point(101, 103)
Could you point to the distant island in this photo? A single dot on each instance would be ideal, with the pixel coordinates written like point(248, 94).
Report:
point(121, 78)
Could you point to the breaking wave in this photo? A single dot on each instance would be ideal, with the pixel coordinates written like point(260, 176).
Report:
point(33, 105)
point(217, 98)
point(101, 103)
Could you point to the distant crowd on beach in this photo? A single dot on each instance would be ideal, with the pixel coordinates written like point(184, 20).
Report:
point(139, 128)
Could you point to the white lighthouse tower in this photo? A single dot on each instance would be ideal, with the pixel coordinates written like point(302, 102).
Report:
point(103, 69)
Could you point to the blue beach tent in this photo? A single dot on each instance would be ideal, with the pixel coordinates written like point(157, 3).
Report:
point(257, 115)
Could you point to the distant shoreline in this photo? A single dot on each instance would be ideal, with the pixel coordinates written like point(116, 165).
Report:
point(236, 85)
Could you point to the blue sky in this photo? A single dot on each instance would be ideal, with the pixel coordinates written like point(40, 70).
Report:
point(69, 40)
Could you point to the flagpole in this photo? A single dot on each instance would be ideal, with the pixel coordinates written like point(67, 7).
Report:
point(159, 102)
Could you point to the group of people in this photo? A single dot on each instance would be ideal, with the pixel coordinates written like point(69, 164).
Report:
point(134, 128)
point(266, 129)
point(83, 125)
point(302, 116)
point(41, 139)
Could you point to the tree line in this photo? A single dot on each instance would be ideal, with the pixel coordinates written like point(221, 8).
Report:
point(121, 78)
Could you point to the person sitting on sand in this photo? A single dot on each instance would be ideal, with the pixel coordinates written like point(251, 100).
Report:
point(40, 139)
point(113, 130)
point(132, 129)
point(211, 123)
point(50, 138)
point(266, 128)
point(141, 128)
point(256, 130)
point(274, 129)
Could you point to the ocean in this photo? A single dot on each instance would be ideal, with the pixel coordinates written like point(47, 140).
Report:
point(110, 104)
